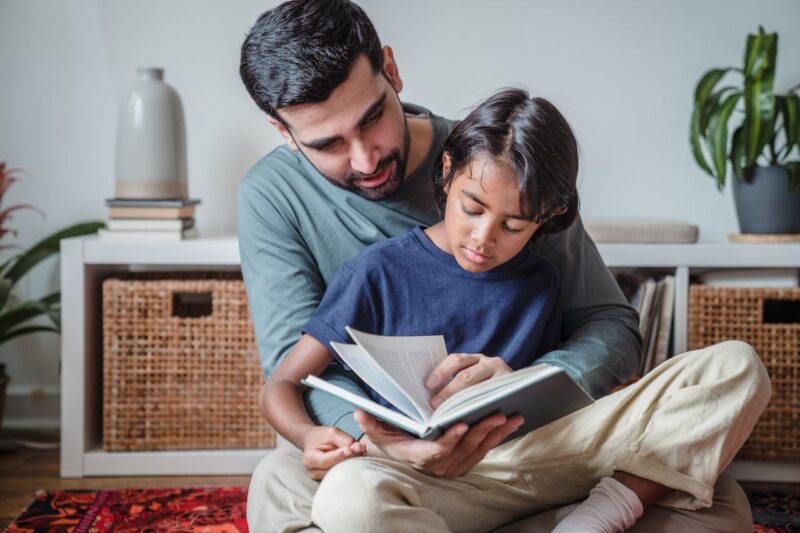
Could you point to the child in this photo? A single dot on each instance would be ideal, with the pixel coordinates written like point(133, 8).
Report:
point(508, 176)
point(470, 277)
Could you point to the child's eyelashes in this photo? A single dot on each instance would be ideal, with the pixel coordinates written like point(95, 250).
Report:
point(505, 226)
point(511, 230)
point(468, 212)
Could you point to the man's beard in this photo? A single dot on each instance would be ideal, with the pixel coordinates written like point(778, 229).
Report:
point(392, 184)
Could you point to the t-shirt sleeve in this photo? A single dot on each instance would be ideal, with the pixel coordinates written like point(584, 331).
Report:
point(348, 301)
point(600, 342)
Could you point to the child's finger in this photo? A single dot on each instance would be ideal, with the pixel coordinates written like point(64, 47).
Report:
point(339, 438)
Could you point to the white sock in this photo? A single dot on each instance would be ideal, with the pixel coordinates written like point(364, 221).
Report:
point(610, 507)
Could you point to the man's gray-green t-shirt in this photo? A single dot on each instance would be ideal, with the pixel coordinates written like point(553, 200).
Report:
point(296, 230)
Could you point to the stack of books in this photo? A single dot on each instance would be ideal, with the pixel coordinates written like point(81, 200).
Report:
point(654, 300)
point(149, 220)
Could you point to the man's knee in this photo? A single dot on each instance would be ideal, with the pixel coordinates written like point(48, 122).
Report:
point(743, 357)
point(348, 495)
point(279, 490)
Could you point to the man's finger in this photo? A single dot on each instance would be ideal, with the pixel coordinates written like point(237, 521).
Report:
point(453, 363)
point(451, 438)
point(469, 376)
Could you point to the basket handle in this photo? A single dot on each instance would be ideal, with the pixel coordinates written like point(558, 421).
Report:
point(781, 311)
point(192, 304)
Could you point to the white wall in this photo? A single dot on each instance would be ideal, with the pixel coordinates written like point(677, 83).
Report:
point(622, 71)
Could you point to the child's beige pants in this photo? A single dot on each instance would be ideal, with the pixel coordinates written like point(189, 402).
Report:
point(679, 426)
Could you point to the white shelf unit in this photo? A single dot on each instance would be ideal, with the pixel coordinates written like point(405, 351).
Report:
point(86, 261)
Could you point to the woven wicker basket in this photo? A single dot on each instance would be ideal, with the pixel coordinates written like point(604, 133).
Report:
point(180, 368)
point(721, 313)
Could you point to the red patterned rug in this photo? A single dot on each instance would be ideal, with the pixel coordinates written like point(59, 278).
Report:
point(208, 510)
point(222, 510)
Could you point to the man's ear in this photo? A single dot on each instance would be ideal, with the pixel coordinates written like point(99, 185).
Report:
point(390, 69)
point(284, 131)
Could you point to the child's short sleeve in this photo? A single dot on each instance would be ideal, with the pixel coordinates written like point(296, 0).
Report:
point(347, 302)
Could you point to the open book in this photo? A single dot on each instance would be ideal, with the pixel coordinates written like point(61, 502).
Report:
point(396, 367)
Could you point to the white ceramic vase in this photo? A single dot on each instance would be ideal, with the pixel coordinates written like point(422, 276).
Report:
point(151, 140)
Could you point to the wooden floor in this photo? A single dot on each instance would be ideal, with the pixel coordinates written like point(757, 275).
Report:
point(24, 471)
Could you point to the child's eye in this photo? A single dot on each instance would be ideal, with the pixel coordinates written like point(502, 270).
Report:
point(468, 212)
point(510, 229)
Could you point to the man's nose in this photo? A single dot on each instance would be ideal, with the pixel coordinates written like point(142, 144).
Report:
point(364, 156)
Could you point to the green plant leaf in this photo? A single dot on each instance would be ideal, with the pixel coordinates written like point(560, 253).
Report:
point(5, 292)
point(737, 156)
point(706, 101)
point(789, 106)
point(21, 313)
point(47, 247)
point(718, 136)
point(759, 100)
point(55, 317)
point(26, 330)
point(707, 83)
point(695, 134)
point(52, 298)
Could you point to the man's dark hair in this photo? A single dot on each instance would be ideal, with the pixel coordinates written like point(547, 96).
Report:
point(536, 139)
point(300, 51)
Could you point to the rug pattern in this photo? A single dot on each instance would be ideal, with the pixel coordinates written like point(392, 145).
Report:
point(206, 510)
point(775, 511)
point(223, 510)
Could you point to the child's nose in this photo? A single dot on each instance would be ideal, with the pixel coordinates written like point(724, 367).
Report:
point(483, 234)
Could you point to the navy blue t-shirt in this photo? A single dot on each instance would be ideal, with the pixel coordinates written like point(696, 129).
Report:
point(406, 285)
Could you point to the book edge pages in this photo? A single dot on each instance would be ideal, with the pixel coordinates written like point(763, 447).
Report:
point(425, 411)
point(404, 404)
point(508, 384)
point(373, 408)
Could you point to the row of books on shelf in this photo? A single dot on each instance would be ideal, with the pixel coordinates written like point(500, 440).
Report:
point(136, 220)
point(654, 300)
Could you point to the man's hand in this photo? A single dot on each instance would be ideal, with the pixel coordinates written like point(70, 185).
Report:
point(453, 454)
point(460, 370)
point(325, 447)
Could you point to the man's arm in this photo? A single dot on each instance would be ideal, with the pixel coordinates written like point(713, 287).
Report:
point(284, 287)
point(600, 341)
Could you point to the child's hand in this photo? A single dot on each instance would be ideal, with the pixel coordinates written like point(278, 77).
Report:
point(327, 446)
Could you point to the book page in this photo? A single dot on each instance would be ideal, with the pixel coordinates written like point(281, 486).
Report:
point(477, 394)
point(375, 409)
point(374, 376)
point(407, 360)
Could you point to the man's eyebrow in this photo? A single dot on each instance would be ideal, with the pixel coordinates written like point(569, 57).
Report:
point(325, 141)
point(478, 200)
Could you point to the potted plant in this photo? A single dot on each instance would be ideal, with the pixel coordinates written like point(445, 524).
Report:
point(18, 318)
point(762, 143)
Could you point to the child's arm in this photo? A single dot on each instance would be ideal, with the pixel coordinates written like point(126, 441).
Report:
point(281, 403)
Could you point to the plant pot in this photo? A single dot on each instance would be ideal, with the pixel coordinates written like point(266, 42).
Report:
point(764, 204)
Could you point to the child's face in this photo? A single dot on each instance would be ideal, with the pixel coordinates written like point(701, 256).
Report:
point(483, 224)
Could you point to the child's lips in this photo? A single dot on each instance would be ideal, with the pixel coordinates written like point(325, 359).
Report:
point(476, 257)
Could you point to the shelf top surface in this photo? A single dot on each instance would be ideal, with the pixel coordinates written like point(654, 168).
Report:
point(224, 251)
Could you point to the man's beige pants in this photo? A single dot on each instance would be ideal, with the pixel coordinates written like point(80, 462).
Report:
point(680, 426)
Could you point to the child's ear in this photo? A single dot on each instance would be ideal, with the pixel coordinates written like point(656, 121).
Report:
point(446, 164)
